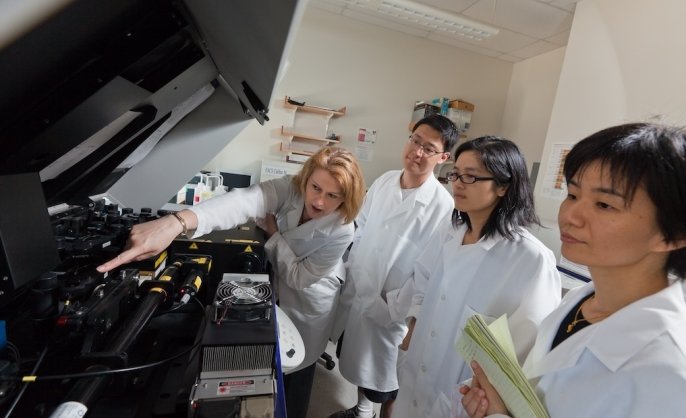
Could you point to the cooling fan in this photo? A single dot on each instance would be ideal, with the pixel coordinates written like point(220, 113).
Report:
point(242, 300)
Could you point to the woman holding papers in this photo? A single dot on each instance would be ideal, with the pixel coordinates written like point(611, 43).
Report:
point(482, 260)
point(617, 346)
point(309, 221)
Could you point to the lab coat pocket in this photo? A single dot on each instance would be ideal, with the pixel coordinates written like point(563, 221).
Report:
point(319, 298)
point(401, 261)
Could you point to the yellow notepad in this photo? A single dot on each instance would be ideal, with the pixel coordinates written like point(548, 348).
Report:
point(491, 346)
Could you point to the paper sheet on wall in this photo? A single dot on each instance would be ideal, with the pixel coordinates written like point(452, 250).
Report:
point(276, 169)
point(554, 185)
point(364, 149)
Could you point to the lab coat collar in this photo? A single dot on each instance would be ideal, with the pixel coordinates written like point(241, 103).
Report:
point(542, 360)
point(638, 324)
point(314, 228)
point(484, 243)
point(427, 191)
point(423, 195)
point(295, 212)
point(614, 340)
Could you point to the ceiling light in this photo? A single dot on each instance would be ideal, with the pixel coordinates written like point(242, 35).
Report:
point(421, 16)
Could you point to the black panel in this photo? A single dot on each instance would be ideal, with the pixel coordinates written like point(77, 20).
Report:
point(78, 72)
point(27, 243)
point(75, 184)
point(260, 32)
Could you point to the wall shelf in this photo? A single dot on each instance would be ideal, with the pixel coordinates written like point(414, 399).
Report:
point(309, 130)
point(287, 150)
point(314, 109)
point(285, 132)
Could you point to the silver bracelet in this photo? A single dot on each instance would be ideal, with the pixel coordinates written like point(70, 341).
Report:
point(183, 224)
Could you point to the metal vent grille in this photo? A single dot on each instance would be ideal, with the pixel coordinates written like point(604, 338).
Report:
point(234, 358)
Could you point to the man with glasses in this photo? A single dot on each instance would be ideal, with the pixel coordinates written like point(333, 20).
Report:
point(401, 211)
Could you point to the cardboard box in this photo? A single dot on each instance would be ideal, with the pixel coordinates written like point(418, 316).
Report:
point(460, 112)
point(461, 105)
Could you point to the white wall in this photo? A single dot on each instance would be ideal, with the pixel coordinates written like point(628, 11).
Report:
point(624, 62)
point(377, 74)
point(530, 101)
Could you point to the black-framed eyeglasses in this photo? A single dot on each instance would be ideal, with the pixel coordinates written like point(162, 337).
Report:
point(427, 150)
point(465, 178)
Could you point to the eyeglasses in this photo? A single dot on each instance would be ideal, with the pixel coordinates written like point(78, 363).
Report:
point(427, 150)
point(465, 178)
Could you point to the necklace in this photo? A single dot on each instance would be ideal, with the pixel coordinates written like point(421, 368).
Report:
point(576, 319)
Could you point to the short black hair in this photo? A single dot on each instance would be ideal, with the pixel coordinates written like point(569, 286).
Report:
point(444, 126)
point(515, 210)
point(643, 154)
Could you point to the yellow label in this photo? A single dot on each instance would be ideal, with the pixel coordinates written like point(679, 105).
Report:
point(193, 246)
point(200, 260)
point(160, 258)
point(197, 282)
point(248, 249)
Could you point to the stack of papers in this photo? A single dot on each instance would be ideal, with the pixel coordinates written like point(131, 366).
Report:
point(491, 346)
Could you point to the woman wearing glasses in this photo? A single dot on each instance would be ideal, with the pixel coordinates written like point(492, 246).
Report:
point(483, 261)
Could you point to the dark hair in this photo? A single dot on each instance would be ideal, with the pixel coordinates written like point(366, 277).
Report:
point(444, 126)
point(505, 162)
point(648, 155)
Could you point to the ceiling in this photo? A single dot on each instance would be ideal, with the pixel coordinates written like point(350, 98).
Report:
point(526, 28)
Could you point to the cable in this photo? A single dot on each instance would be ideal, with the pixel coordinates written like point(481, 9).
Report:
point(26, 384)
point(175, 308)
point(16, 352)
point(32, 378)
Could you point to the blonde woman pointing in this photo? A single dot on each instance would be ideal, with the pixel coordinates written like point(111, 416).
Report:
point(309, 221)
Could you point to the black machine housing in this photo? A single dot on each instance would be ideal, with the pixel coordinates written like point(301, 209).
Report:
point(84, 84)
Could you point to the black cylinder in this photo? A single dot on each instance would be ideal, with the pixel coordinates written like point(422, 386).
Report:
point(43, 296)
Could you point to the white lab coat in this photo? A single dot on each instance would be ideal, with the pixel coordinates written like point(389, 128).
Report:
point(306, 258)
point(492, 277)
point(391, 234)
point(631, 364)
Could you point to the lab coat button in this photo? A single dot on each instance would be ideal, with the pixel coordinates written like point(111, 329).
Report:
point(414, 403)
point(442, 297)
point(423, 368)
point(433, 334)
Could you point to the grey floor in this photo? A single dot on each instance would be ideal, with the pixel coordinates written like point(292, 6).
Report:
point(330, 391)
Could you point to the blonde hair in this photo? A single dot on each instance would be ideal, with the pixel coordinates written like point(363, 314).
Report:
point(342, 165)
